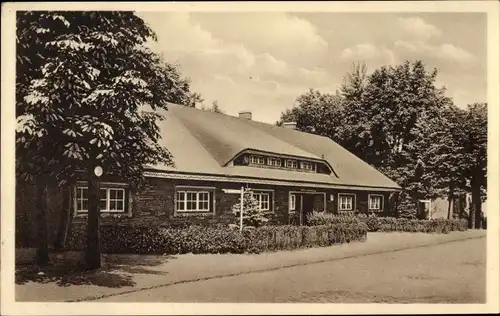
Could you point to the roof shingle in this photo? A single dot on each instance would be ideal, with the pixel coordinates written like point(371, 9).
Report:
point(204, 142)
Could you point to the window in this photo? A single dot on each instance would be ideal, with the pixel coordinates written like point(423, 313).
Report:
point(292, 164)
point(110, 199)
point(375, 202)
point(346, 202)
point(82, 199)
point(258, 160)
point(263, 199)
point(306, 165)
point(276, 162)
point(292, 201)
point(193, 201)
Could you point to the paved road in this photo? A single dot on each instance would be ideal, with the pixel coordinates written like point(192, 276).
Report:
point(447, 273)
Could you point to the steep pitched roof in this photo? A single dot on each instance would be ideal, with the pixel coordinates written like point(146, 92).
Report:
point(204, 142)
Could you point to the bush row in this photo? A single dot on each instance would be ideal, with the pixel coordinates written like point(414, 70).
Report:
point(388, 224)
point(272, 238)
point(391, 224)
point(216, 239)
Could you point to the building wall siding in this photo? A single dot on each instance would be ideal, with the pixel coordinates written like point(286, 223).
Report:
point(154, 204)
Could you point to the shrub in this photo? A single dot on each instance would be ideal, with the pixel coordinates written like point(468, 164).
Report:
point(372, 222)
point(252, 214)
point(159, 240)
point(217, 239)
point(390, 224)
point(272, 238)
point(322, 218)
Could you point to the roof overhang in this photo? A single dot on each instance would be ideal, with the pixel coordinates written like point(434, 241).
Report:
point(249, 180)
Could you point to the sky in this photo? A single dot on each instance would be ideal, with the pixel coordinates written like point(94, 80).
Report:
point(261, 62)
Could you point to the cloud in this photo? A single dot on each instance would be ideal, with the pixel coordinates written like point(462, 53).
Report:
point(368, 52)
point(418, 29)
point(283, 35)
point(239, 71)
point(447, 53)
point(263, 61)
point(456, 53)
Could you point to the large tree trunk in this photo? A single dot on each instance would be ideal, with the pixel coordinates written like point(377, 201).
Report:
point(463, 202)
point(42, 253)
point(449, 208)
point(471, 213)
point(450, 200)
point(93, 251)
point(476, 201)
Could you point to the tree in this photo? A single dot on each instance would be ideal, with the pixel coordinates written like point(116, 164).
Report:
point(354, 136)
point(475, 140)
point(456, 151)
point(394, 117)
point(445, 153)
point(316, 113)
point(252, 213)
point(215, 108)
point(383, 118)
point(87, 92)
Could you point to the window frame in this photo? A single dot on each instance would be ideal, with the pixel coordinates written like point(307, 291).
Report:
point(257, 160)
point(309, 163)
point(353, 201)
point(79, 199)
point(273, 162)
point(197, 201)
point(381, 206)
point(259, 199)
point(292, 164)
point(267, 192)
point(292, 202)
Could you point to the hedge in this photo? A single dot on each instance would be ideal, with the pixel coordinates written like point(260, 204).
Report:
point(158, 240)
point(215, 239)
point(272, 238)
point(322, 218)
point(391, 224)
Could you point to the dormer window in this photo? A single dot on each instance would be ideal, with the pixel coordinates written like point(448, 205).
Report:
point(289, 163)
point(275, 162)
point(306, 165)
point(292, 164)
point(257, 160)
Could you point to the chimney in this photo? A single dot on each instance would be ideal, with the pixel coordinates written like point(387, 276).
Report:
point(246, 115)
point(290, 125)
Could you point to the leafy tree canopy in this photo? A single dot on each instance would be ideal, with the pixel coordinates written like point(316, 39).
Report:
point(397, 120)
point(316, 113)
point(87, 90)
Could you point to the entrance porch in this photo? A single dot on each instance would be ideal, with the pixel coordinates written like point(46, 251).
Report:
point(303, 203)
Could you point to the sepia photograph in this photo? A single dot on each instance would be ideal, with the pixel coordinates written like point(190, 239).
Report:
point(208, 153)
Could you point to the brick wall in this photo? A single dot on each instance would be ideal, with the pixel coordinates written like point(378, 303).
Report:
point(154, 204)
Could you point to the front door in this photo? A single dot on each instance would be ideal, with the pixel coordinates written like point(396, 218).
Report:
point(307, 207)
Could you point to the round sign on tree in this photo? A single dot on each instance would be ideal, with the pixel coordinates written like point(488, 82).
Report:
point(98, 171)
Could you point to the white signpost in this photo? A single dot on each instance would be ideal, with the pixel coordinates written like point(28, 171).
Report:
point(231, 191)
point(241, 192)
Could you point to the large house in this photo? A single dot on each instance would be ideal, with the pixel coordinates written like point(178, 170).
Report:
point(291, 173)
